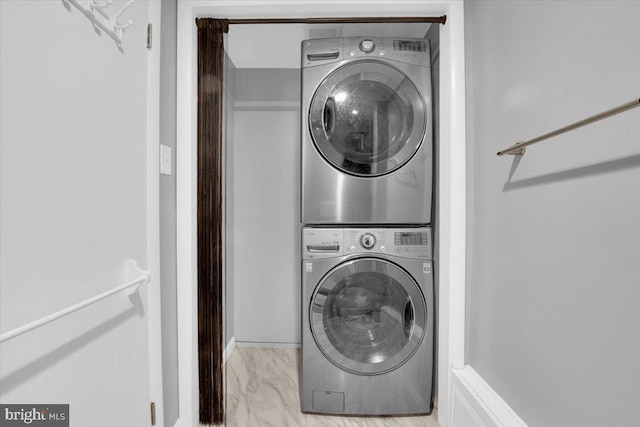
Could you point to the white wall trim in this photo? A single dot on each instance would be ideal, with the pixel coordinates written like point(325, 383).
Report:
point(153, 216)
point(452, 208)
point(186, 240)
point(451, 212)
point(485, 402)
point(268, 344)
point(229, 349)
point(251, 105)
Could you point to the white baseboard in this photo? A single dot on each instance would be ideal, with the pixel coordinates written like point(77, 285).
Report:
point(268, 344)
point(180, 422)
point(229, 349)
point(476, 404)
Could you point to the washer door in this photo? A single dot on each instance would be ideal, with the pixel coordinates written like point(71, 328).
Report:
point(367, 119)
point(368, 316)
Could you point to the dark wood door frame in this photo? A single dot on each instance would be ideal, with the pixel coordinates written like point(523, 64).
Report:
point(210, 196)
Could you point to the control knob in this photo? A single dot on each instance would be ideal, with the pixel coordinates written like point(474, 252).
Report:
point(367, 45)
point(368, 240)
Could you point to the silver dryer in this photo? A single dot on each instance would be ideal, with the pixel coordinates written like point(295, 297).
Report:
point(367, 133)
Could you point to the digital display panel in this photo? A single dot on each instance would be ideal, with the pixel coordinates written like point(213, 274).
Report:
point(410, 45)
point(411, 239)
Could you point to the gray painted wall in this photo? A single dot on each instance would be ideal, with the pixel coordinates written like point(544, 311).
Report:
point(266, 186)
point(553, 277)
point(168, 41)
point(267, 85)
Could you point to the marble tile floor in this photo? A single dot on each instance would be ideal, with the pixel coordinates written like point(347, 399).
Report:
point(262, 391)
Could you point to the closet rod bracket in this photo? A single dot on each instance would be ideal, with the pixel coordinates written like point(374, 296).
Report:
point(514, 150)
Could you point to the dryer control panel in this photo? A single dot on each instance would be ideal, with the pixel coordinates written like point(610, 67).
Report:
point(407, 50)
point(414, 243)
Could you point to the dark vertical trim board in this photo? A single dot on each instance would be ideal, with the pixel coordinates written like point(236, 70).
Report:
point(209, 213)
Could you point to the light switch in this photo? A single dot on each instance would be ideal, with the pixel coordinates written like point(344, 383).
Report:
point(165, 160)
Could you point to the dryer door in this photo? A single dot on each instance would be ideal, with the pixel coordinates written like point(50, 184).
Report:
point(367, 119)
point(368, 316)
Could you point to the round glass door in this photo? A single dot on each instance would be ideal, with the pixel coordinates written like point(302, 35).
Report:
point(367, 119)
point(368, 316)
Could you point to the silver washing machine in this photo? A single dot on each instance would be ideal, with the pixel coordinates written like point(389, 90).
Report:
point(367, 145)
point(367, 321)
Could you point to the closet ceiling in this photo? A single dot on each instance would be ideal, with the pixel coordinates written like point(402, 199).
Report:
point(278, 45)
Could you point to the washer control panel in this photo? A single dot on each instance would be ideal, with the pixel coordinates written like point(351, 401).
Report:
point(413, 243)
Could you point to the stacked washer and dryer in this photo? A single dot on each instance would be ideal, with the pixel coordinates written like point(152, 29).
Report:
point(367, 183)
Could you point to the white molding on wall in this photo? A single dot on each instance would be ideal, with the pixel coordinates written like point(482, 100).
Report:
point(153, 217)
point(266, 105)
point(228, 350)
point(186, 265)
point(451, 213)
point(463, 413)
point(268, 344)
point(476, 404)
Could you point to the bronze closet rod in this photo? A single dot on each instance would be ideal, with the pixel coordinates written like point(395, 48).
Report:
point(365, 20)
point(519, 148)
